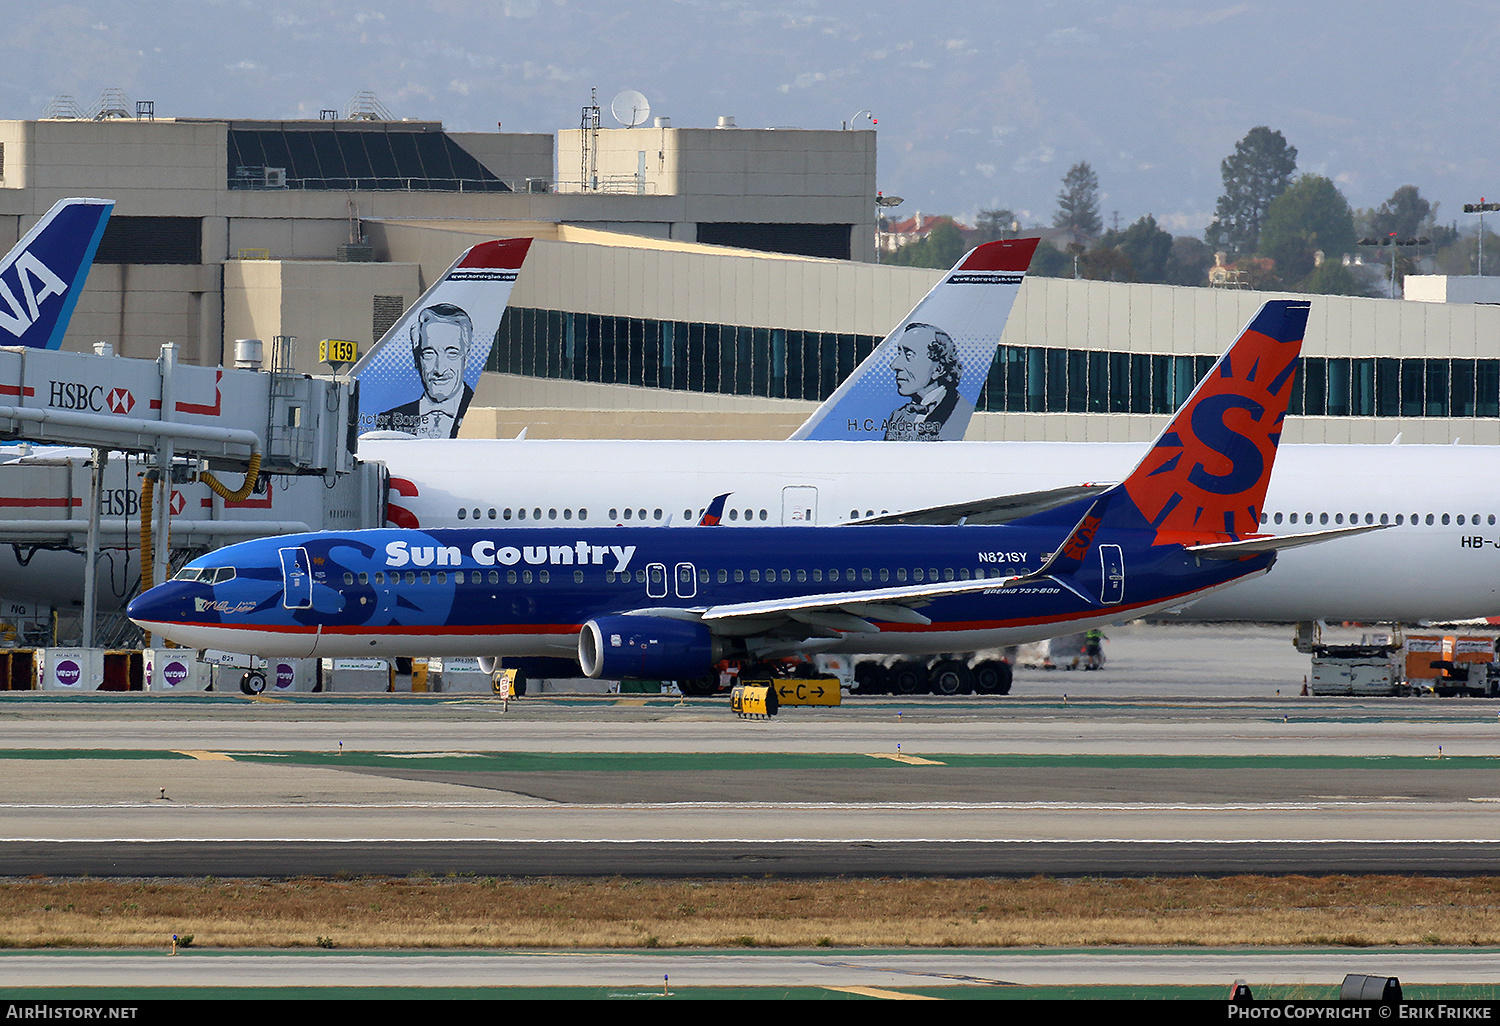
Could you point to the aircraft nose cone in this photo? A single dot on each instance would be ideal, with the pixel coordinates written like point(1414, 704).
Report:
point(165, 603)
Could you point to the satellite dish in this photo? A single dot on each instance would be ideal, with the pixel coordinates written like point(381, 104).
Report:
point(630, 108)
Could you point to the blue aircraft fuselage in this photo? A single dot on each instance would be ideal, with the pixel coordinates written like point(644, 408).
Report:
point(500, 592)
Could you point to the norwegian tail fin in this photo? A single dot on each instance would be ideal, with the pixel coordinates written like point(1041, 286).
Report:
point(1206, 475)
point(953, 333)
point(42, 277)
point(466, 304)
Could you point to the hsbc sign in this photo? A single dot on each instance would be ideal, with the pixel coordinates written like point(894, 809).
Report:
point(77, 395)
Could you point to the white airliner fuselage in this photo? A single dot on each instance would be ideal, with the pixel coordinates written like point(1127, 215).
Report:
point(1441, 561)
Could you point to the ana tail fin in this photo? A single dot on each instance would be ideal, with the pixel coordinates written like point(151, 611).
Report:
point(467, 302)
point(956, 329)
point(1206, 475)
point(42, 277)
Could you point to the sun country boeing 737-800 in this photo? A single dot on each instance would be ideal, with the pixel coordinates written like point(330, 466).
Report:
point(633, 602)
point(1444, 549)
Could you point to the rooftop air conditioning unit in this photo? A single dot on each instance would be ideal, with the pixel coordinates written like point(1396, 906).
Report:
point(275, 178)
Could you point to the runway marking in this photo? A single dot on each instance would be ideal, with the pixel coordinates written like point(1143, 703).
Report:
point(203, 756)
point(880, 992)
point(956, 977)
point(386, 839)
point(910, 760)
point(735, 806)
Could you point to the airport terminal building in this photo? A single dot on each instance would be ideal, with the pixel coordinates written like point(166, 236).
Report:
point(683, 282)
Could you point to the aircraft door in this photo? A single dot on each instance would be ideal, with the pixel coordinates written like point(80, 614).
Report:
point(799, 505)
point(687, 580)
point(1112, 563)
point(296, 579)
point(656, 580)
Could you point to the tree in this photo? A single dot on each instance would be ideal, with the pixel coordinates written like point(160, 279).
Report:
point(1147, 245)
point(1259, 170)
point(1310, 215)
point(1189, 263)
point(1403, 215)
point(1078, 203)
point(1051, 262)
point(1106, 263)
point(941, 248)
point(996, 224)
point(1332, 278)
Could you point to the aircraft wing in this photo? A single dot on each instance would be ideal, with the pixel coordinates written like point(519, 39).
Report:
point(851, 611)
point(999, 510)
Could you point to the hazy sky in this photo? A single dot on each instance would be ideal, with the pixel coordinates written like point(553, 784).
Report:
point(979, 104)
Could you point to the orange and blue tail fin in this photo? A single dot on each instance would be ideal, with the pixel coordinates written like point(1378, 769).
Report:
point(715, 511)
point(1207, 473)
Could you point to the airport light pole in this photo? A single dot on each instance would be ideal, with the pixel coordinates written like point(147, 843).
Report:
point(883, 203)
point(1395, 244)
point(1479, 208)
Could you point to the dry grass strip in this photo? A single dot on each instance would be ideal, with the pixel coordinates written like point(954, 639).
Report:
point(419, 912)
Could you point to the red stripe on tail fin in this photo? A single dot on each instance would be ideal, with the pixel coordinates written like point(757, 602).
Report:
point(1206, 475)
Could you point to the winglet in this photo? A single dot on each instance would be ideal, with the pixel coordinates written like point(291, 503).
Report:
point(1206, 475)
point(42, 277)
point(922, 381)
point(715, 511)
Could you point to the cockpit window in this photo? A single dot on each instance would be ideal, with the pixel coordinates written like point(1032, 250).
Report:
point(205, 574)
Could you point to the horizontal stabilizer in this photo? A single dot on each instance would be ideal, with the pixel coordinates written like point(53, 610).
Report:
point(1254, 546)
point(1000, 510)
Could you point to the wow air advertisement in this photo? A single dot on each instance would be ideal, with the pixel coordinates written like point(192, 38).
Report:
point(421, 376)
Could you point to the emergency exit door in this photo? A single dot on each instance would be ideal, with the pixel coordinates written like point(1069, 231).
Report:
point(1112, 588)
point(296, 578)
point(799, 505)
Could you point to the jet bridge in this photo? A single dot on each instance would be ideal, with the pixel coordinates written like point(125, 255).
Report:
point(182, 422)
point(299, 424)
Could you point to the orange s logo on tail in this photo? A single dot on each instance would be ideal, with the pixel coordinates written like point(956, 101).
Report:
point(1207, 474)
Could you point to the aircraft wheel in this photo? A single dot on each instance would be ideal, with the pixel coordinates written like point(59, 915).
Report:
point(871, 678)
point(908, 678)
point(518, 689)
point(253, 682)
point(951, 677)
point(992, 677)
point(699, 687)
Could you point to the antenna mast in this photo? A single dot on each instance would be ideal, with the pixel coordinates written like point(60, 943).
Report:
point(590, 126)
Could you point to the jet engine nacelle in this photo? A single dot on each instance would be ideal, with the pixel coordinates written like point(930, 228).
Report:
point(649, 647)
